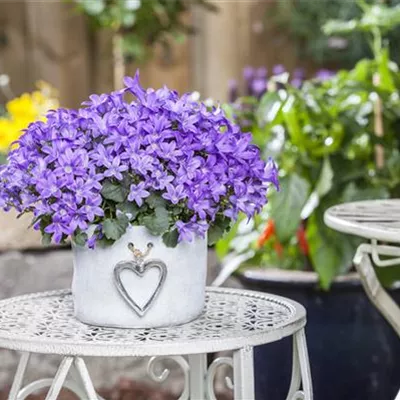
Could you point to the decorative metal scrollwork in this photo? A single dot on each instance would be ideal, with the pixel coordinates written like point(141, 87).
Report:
point(210, 377)
point(161, 377)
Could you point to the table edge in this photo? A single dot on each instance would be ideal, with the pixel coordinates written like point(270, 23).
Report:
point(151, 349)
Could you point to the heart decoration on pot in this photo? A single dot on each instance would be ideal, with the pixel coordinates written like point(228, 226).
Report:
point(139, 267)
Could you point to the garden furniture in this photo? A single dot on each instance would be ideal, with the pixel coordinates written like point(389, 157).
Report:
point(379, 222)
point(233, 320)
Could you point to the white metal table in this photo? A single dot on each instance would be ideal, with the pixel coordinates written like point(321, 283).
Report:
point(233, 320)
point(379, 222)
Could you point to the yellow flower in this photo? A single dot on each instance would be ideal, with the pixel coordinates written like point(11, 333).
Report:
point(23, 110)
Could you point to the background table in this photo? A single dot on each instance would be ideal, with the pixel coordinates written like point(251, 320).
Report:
point(379, 222)
point(233, 320)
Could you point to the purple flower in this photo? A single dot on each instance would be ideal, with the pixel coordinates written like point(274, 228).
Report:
point(185, 230)
point(259, 86)
point(138, 193)
point(115, 169)
point(278, 69)
point(232, 90)
point(324, 74)
point(174, 193)
point(72, 170)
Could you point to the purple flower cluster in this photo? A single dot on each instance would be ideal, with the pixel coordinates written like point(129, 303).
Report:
point(256, 80)
point(192, 157)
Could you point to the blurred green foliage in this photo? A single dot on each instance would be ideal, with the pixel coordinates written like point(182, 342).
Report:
point(322, 136)
point(303, 20)
point(142, 23)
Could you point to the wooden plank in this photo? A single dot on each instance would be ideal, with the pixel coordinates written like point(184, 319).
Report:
point(216, 49)
point(59, 49)
point(102, 61)
point(167, 68)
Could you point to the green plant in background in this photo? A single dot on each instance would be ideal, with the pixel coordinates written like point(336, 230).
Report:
point(323, 136)
point(139, 24)
point(303, 20)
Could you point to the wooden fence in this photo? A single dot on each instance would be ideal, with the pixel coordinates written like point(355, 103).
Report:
point(46, 39)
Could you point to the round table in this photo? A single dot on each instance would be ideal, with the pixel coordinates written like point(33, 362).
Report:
point(378, 221)
point(233, 320)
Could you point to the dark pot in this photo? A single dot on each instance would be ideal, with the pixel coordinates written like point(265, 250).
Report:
point(354, 353)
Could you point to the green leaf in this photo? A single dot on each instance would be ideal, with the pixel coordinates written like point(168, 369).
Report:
point(388, 275)
point(155, 200)
point(3, 158)
point(223, 246)
point(286, 205)
point(113, 229)
point(268, 109)
point(158, 222)
point(386, 81)
point(170, 239)
point(114, 191)
point(215, 232)
point(46, 239)
point(325, 180)
point(128, 19)
point(80, 239)
point(331, 253)
point(93, 7)
point(131, 210)
point(353, 193)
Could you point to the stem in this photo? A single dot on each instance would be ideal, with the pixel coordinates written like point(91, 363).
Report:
point(119, 62)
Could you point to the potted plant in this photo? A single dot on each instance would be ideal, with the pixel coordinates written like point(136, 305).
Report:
point(325, 139)
point(139, 186)
point(16, 115)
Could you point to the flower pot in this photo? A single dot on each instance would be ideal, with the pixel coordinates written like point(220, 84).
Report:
point(354, 353)
point(138, 282)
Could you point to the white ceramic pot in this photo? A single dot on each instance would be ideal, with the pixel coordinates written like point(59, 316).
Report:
point(166, 287)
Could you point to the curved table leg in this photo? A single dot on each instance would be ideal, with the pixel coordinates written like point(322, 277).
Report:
point(46, 383)
point(376, 293)
point(83, 388)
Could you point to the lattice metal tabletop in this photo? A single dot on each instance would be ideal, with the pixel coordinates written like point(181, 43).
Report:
point(232, 320)
point(372, 219)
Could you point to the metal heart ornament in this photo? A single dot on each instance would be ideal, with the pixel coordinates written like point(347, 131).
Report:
point(139, 267)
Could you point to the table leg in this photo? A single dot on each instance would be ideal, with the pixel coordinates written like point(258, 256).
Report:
point(296, 374)
point(301, 343)
point(85, 377)
point(19, 376)
point(198, 371)
point(376, 293)
point(59, 379)
point(243, 374)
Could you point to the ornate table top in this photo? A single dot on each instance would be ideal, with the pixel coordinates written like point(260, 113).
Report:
point(371, 219)
point(44, 323)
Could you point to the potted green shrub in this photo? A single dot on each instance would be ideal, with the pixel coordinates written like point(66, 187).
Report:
point(329, 149)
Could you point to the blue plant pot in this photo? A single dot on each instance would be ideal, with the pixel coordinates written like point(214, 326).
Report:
point(354, 353)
